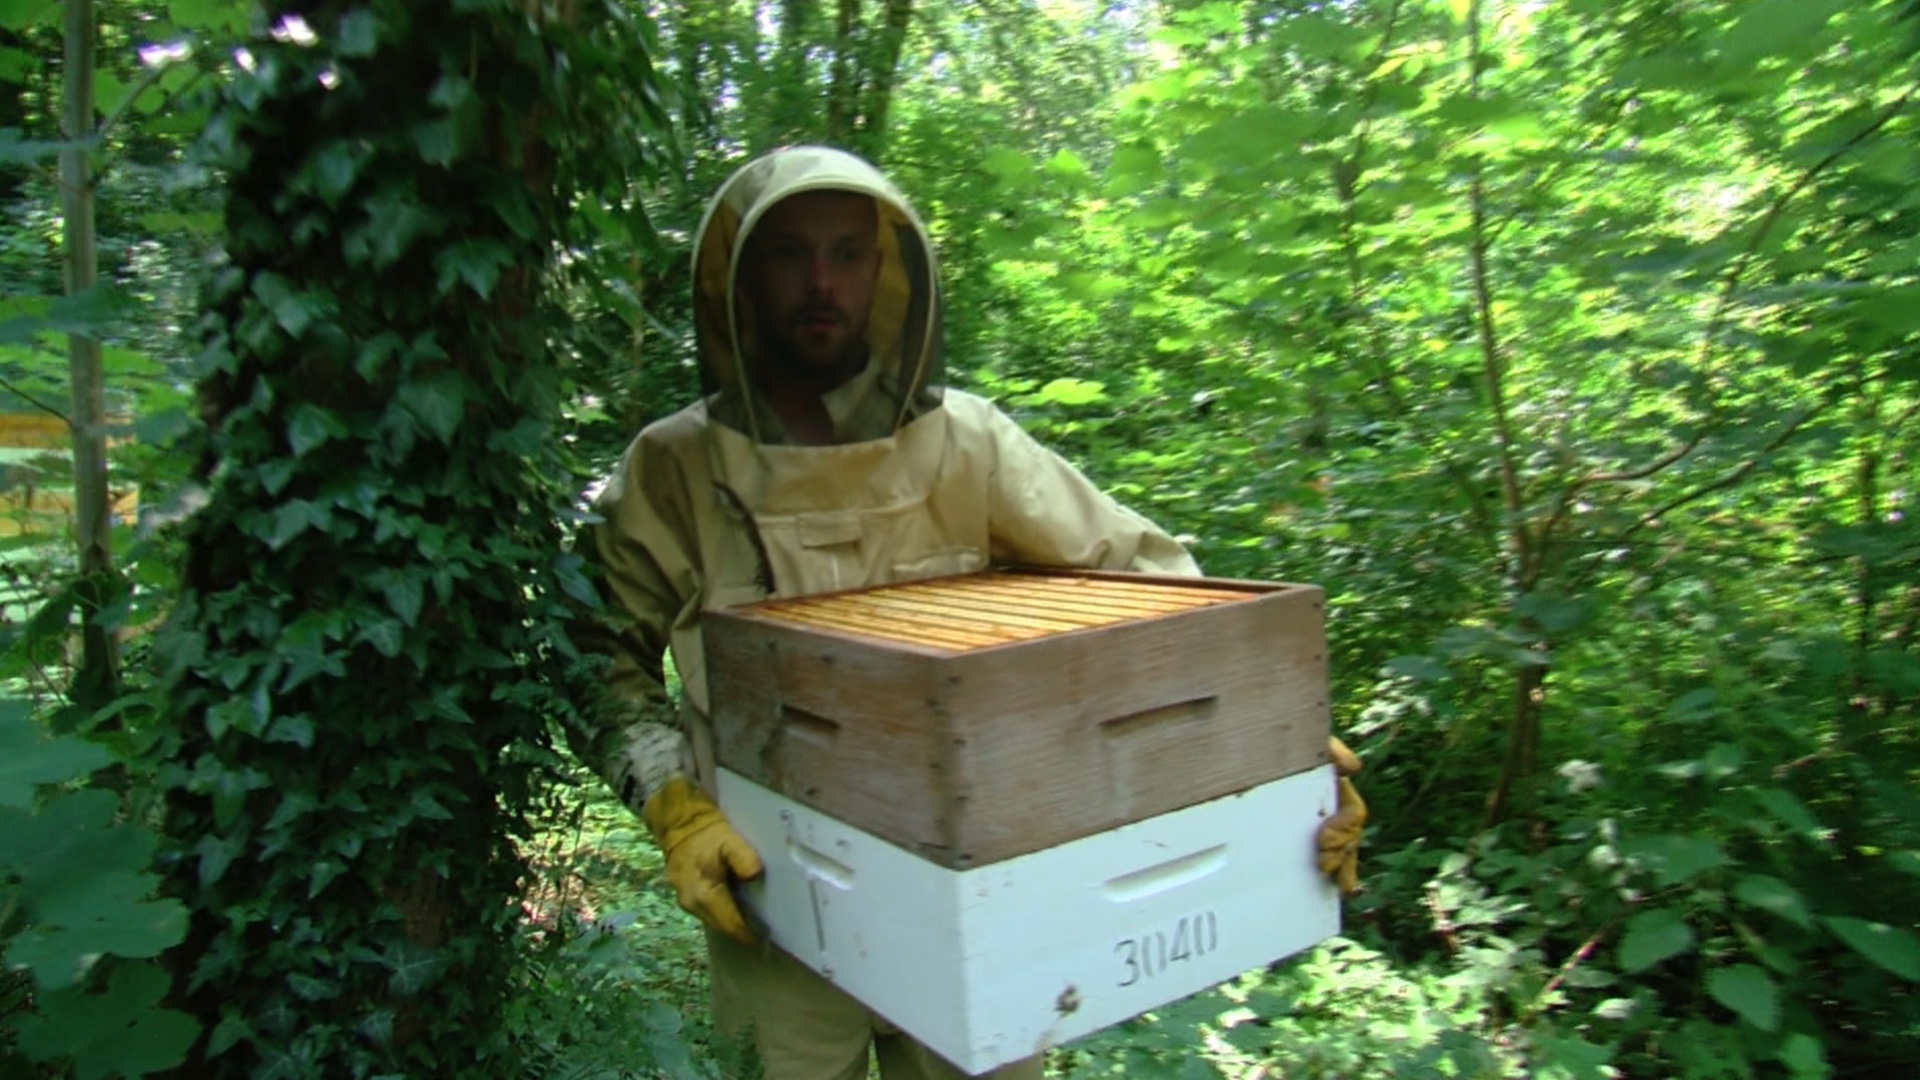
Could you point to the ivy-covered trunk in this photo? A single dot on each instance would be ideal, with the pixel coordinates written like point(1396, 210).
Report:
point(363, 657)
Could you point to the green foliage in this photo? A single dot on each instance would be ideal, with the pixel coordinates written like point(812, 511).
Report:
point(615, 983)
point(1558, 345)
point(79, 926)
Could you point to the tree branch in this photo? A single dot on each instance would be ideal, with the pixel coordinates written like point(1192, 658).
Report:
point(147, 79)
point(13, 388)
point(1730, 479)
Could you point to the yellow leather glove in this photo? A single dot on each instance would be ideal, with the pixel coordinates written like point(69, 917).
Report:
point(703, 854)
point(1340, 834)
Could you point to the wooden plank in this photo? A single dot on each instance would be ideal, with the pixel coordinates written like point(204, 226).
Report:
point(948, 634)
point(1159, 590)
point(1227, 588)
point(1099, 729)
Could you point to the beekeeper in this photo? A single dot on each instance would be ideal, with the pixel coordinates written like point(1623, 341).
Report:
point(825, 454)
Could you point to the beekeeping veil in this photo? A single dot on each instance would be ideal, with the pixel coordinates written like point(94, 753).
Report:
point(903, 376)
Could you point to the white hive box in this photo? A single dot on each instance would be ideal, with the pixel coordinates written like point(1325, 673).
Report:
point(1000, 962)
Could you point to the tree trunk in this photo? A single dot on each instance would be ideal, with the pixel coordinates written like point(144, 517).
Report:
point(1513, 795)
point(883, 73)
point(796, 105)
point(844, 95)
point(98, 675)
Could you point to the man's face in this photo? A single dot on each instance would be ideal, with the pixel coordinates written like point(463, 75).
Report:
point(809, 269)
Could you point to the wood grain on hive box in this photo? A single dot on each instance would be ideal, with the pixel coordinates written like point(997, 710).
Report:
point(977, 718)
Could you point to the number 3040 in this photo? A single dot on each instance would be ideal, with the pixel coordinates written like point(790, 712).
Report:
point(1150, 954)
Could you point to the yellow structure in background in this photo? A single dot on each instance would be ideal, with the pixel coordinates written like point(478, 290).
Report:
point(36, 496)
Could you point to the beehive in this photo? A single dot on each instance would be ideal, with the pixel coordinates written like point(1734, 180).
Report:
point(977, 718)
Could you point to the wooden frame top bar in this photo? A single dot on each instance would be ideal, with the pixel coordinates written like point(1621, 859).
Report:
point(981, 611)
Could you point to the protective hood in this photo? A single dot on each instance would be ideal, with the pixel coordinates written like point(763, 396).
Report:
point(903, 376)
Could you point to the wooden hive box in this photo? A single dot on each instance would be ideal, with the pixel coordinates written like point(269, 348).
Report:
point(977, 718)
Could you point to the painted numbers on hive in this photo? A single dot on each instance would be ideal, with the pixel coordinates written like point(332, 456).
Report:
point(1150, 954)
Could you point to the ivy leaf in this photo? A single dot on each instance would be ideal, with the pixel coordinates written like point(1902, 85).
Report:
point(437, 142)
point(515, 208)
point(333, 167)
point(405, 593)
point(395, 219)
point(438, 402)
point(292, 308)
point(1750, 992)
point(1619, 1010)
point(289, 520)
point(231, 1029)
point(275, 475)
point(310, 426)
point(413, 968)
point(323, 872)
point(426, 806)
point(216, 853)
point(122, 1032)
point(475, 262)
point(566, 570)
point(1890, 947)
point(1653, 936)
point(296, 729)
point(311, 988)
point(1774, 896)
point(29, 757)
point(386, 636)
point(359, 33)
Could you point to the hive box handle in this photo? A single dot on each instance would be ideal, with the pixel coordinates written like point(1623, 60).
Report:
point(1163, 876)
point(1200, 708)
point(820, 866)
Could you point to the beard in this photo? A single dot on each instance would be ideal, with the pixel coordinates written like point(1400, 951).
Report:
point(820, 347)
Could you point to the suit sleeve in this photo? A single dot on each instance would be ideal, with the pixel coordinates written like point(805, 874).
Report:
point(629, 732)
point(1045, 512)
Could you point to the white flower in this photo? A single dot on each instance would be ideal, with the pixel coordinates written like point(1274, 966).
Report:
point(1580, 775)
